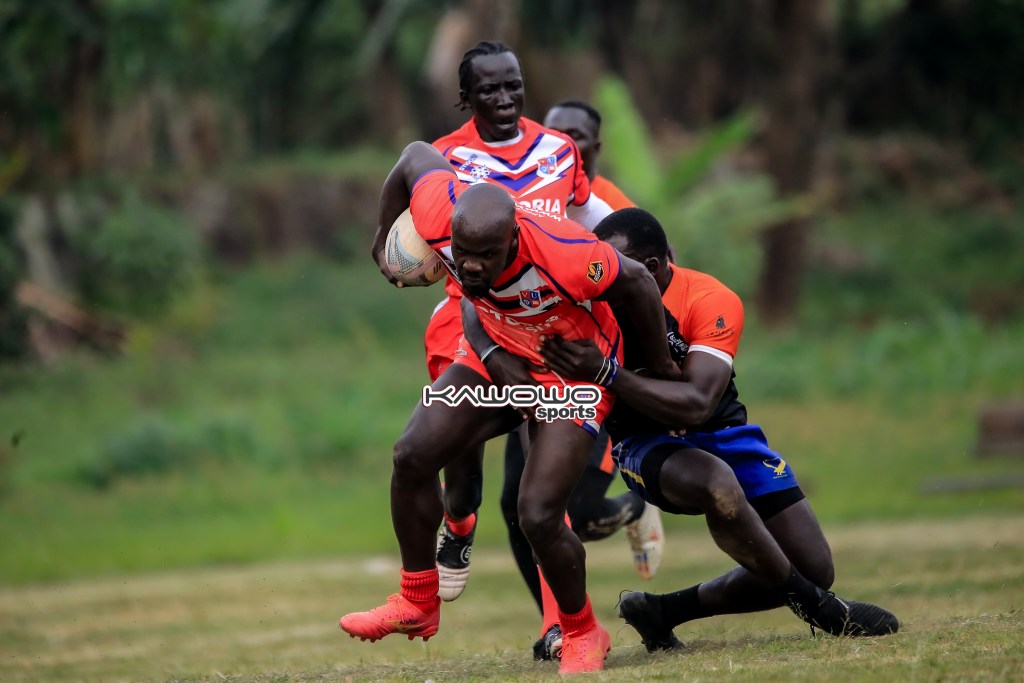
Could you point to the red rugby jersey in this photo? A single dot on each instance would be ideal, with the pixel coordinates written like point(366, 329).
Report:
point(549, 286)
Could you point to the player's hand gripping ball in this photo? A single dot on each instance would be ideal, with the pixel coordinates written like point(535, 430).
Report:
point(410, 259)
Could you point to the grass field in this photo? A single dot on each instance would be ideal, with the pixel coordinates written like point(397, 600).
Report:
point(957, 586)
point(206, 506)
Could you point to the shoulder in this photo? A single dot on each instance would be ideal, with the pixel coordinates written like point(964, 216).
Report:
point(533, 130)
point(459, 136)
point(610, 192)
point(691, 291)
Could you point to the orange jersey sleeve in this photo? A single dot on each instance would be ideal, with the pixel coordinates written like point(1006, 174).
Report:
point(431, 204)
point(710, 315)
point(607, 190)
point(580, 266)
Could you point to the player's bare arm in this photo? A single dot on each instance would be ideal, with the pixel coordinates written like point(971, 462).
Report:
point(636, 292)
point(416, 159)
point(688, 401)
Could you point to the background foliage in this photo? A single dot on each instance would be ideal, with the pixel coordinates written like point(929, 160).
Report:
point(198, 179)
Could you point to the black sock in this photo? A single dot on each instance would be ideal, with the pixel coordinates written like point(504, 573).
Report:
point(681, 606)
point(800, 590)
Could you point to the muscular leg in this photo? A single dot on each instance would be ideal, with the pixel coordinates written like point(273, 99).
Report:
point(464, 482)
point(692, 479)
point(798, 533)
point(430, 438)
point(515, 463)
point(558, 454)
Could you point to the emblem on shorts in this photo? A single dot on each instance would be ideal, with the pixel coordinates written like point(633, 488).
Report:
point(595, 271)
point(779, 468)
point(720, 323)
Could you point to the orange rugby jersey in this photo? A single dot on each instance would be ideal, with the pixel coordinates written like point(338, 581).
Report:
point(607, 190)
point(541, 170)
point(701, 315)
point(549, 286)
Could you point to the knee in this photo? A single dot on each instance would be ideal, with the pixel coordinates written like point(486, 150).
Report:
point(539, 525)
point(410, 460)
point(722, 497)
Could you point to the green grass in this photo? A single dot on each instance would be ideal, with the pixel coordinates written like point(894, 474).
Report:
point(956, 586)
point(256, 423)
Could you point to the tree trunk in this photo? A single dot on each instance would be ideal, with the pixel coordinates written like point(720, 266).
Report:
point(458, 30)
point(790, 146)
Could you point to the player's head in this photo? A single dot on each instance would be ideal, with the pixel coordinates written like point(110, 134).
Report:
point(485, 236)
point(491, 86)
point(582, 123)
point(638, 235)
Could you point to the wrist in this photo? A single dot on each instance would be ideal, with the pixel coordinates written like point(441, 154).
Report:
point(607, 373)
point(488, 353)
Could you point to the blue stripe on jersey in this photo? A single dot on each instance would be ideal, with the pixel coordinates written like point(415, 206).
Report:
point(439, 240)
point(526, 154)
point(423, 175)
point(563, 240)
point(451, 191)
point(513, 185)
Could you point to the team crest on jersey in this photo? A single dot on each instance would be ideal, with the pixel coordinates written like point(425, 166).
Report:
point(476, 171)
point(595, 271)
point(547, 166)
point(529, 298)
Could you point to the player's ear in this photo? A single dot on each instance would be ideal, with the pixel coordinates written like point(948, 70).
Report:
point(463, 100)
point(652, 263)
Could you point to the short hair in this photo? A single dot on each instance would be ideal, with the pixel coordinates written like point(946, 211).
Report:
point(585, 107)
point(484, 47)
point(640, 228)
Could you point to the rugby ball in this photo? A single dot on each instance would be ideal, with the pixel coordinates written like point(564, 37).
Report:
point(410, 259)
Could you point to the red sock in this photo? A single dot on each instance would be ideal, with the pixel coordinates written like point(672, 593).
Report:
point(574, 624)
point(420, 587)
point(549, 606)
point(462, 527)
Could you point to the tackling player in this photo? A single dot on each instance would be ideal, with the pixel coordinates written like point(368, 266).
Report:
point(720, 466)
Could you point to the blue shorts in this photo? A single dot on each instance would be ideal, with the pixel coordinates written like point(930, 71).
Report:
point(758, 468)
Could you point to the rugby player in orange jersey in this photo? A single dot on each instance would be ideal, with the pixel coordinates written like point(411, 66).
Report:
point(526, 274)
point(541, 168)
point(720, 466)
point(582, 122)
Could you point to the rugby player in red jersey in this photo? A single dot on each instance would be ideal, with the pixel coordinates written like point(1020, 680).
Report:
point(527, 274)
point(542, 169)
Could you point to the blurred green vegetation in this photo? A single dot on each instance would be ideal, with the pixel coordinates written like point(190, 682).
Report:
point(255, 421)
point(205, 175)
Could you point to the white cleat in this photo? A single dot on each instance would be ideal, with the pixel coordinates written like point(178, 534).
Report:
point(453, 553)
point(647, 541)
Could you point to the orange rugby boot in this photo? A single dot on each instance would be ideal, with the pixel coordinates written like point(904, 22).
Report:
point(398, 615)
point(585, 652)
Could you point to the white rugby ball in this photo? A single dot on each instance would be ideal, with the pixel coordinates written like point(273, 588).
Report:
point(410, 259)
